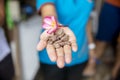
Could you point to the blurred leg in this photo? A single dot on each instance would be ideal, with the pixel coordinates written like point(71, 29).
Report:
point(100, 49)
point(116, 67)
point(6, 69)
point(108, 26)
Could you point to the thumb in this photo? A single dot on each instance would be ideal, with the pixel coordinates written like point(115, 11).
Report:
point(43, 41)
point(41, 45)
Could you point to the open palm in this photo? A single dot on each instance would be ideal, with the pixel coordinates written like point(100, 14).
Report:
point(61, 55)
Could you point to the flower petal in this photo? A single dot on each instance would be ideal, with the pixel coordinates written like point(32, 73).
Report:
point(53, 18)
point(48, 21)
point(46, 26)
point(50, 24)
point(50, 31)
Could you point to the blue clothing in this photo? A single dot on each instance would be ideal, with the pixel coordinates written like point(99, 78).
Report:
point(75, 14)
point(109, 23)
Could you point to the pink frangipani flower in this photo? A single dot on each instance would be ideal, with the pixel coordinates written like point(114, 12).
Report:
point(50, 24)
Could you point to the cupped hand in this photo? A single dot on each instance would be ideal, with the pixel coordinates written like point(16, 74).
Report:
point(61, 55)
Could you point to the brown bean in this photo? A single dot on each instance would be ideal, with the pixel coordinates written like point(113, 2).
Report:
point(50, 42)
point(60, 36)
point(59, 39)
point(65, 38)
point(67, 43)
point(57, 46)
point(59, 32)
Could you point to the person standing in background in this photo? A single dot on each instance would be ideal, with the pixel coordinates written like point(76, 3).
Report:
point(6, 64)
point(108, 32)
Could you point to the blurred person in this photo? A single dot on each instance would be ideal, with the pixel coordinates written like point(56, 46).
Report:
point(108, 31)
point(6, 65)
point(116, 67)
point(74, 14)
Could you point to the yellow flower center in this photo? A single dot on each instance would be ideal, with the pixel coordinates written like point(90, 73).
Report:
point(53, 24)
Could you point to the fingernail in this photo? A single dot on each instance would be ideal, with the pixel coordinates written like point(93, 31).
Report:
point(53, 59)
point(60, 65)
point(68, 60)
point(75, 49)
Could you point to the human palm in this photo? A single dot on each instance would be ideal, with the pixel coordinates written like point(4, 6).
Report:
point(60, 55)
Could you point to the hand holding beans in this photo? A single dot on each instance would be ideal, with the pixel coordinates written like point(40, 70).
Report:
point(58, 45)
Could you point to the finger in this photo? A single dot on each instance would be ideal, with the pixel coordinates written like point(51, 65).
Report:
point(51, 52)
point(60, 57)
point(72, 38)
point(60, 62)
point(43, 40)
point(67, 51)
point(74, 46)
point(41, 45)
point(44, 36)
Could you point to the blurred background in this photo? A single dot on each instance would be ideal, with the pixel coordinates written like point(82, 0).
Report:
point(22, 27)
